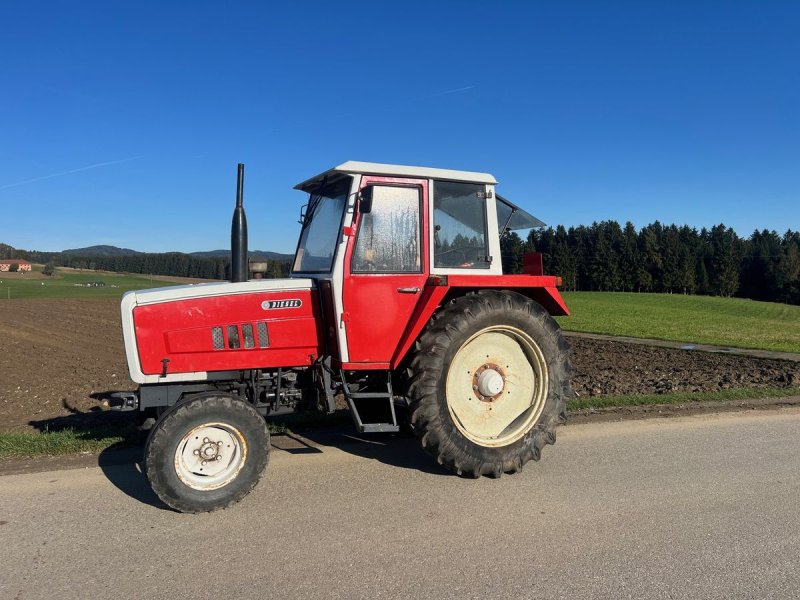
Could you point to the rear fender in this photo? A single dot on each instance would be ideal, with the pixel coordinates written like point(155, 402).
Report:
point(434, 296)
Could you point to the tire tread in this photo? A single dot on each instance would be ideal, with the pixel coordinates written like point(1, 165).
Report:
point(428, 368)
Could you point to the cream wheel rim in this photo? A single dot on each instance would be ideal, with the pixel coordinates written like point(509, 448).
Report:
point(497, 386)
point(210, 456)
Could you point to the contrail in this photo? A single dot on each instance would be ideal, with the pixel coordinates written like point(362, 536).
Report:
point(444, 93)
point(59, 174)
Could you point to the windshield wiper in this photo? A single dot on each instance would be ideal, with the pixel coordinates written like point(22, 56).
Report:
point(313, 205)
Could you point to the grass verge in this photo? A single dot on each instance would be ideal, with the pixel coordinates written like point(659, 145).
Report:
point(99, 438)
point(682, 398)
point(69, 441)
point(96, 440)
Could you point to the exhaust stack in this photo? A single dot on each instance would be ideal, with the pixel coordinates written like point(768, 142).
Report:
point(239, 233)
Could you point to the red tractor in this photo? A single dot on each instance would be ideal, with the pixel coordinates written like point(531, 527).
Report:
point(396, 301)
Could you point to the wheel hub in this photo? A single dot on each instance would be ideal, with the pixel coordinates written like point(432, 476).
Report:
point(209, 450)
point(210, 456)
point(488, 382)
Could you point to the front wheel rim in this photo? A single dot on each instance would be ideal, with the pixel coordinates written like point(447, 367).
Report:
point(210, 456)
point(497, 386)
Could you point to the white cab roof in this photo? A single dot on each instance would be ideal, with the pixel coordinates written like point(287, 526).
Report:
point(368, 168)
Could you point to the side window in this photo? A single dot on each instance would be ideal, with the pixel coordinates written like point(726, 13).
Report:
point(459, 226)
point(388, 239)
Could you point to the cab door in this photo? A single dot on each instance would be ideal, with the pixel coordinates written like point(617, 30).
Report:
point(385, 268)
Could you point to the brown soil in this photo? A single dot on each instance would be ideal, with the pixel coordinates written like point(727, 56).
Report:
point(54, 355)
point(618, 368)
point(59, 358)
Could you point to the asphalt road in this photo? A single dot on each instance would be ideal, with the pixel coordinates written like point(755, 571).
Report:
point(695, 507)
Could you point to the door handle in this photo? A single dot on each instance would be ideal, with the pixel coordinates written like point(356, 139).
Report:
point(409, 290)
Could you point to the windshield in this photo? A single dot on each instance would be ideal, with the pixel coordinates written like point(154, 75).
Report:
point(322, 228)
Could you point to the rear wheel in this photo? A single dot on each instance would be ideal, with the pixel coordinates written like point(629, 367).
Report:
point(490, 381)
point(206, 453)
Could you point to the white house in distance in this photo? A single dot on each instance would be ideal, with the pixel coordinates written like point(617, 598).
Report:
point(5, 264)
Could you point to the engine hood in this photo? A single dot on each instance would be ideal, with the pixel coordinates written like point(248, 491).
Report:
point(197, 332)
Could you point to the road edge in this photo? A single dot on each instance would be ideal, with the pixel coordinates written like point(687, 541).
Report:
point(111, 457)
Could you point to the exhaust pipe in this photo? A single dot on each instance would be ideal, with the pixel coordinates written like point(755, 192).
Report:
point(239, 233)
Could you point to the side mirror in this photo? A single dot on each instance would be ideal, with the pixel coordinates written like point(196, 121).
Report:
point(365, 200)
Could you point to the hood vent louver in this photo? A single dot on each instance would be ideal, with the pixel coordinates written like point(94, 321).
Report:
point(236, 340)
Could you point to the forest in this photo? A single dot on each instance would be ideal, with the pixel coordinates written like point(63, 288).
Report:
point(665, 258)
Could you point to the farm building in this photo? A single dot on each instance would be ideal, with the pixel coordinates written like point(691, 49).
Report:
point(5, 264)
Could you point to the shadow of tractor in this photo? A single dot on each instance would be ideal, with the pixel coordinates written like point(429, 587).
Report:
point(400, 450)
point(121, 460)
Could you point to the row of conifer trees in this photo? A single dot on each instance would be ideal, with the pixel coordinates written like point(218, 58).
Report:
point(666, 258)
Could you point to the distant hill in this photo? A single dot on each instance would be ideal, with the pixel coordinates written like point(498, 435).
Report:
point(116, 251)
point(101, 251)
point(252, 253)
point(214, 264)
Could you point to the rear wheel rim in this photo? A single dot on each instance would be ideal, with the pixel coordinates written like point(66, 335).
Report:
point(483, 414)
point(210, 456)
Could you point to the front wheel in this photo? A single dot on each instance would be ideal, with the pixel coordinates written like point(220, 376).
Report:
point(206, 453)
point(490, 381)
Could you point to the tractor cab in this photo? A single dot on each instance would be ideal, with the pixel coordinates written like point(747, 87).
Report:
point(374, 235)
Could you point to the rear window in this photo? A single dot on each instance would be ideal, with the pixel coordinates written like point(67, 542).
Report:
point(459, 223)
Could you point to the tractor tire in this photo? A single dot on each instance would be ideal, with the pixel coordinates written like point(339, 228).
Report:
point(206, 453)
point(489, 383)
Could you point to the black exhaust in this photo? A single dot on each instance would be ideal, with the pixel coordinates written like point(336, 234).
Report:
point(239, 233)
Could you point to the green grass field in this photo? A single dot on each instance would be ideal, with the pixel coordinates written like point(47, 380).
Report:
point(68, 284)
point(697, 319)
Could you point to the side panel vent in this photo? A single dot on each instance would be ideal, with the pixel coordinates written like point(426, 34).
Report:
point(247, 334)
point(263, 335)
point(233, 337)
point(217, 339)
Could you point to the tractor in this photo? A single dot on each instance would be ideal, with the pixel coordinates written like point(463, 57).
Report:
point(396, 304)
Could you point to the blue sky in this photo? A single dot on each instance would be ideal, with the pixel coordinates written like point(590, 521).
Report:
point(122, 122)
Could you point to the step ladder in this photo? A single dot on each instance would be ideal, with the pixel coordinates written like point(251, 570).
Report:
point(354, 398)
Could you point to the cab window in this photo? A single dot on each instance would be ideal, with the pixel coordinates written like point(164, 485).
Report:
point(388, 239)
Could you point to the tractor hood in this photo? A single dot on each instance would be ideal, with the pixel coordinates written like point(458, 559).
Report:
point(197, 332)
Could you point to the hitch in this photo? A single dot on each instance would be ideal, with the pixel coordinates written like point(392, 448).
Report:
point(123, 401)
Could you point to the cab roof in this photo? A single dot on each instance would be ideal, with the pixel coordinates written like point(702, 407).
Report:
point(515, 219)
point(368, 168)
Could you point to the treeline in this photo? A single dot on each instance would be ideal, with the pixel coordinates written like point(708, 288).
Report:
point(666, 258)
point(174, 264)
